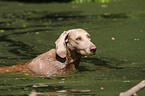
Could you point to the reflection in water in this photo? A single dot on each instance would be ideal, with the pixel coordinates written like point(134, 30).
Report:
point(46, 89)
point(64, 93)
point(19, 47)
point(106, 63)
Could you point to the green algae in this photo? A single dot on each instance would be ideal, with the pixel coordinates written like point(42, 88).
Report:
point(27, 30)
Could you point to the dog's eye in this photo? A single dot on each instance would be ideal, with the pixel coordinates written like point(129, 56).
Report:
point(79, 38)
point(88, 36)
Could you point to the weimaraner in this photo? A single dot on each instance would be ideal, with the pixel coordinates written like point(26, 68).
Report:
point(70, 46)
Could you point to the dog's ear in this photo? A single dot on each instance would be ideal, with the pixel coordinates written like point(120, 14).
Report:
point(61, 44)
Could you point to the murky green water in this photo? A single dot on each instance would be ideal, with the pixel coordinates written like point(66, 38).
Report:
point(117, 28)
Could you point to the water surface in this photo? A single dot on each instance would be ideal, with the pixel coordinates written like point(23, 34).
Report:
point(117, 29)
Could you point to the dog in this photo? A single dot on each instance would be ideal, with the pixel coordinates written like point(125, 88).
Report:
point(64, 59)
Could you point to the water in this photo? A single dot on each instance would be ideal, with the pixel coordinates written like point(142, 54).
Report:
point(117, 29)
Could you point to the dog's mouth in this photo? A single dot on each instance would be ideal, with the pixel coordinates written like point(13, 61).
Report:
point(85, 53)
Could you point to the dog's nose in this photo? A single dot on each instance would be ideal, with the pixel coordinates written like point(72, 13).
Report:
point(93, 49)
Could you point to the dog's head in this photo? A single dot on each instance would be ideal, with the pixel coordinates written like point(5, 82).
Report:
point(75, 39)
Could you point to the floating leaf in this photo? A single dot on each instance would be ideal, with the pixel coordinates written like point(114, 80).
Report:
point(27, 74)
point(24, 25)
point(63, 79)
point(2, 31)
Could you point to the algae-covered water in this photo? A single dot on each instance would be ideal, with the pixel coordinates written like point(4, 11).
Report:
point(117, 28)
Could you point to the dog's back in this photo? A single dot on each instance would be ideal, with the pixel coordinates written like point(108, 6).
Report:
point(19, 68)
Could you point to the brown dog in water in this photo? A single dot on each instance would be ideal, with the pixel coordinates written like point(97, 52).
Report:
point(70, 46)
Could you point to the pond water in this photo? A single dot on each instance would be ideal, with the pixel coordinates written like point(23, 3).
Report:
point(117, 28)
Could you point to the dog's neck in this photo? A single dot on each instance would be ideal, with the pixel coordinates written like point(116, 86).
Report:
point(72, 55)
point(72, 60)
